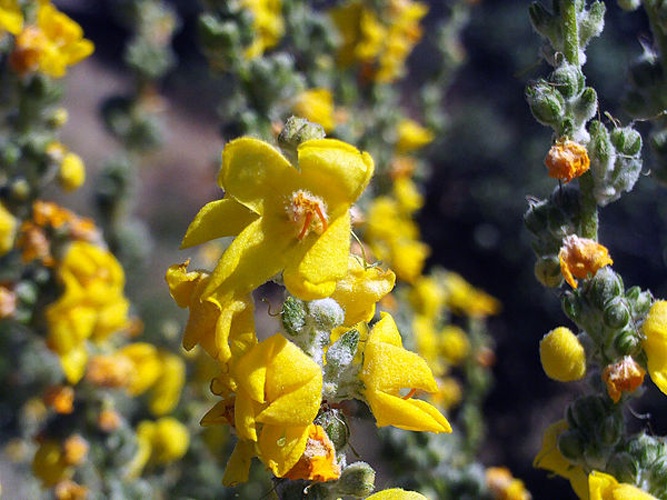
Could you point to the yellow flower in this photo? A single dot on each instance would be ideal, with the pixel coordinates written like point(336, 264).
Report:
point(396, 494)
point(8, 225)
point(51, 45)
point(603, 486)
point(463, 298)
point(407, 195)
point(562, 355)
point(387, 370)
point(92, 305)
point(551, 459)
point(361, 289)
point(454, 344)
point(278, 395)
point(412, 136)
point(361, 33)
point(268, 25)
point(317, 106)
point(49, 464)
point(625, 375)
point(655, 343)
point(427, 297)
point(567, 160)
point(161, 442)
point(581, 258)
point(221, 331)
point(294, 220)
point(72, 172)
point(318, 462)
point(11, 17)
point(504, 486)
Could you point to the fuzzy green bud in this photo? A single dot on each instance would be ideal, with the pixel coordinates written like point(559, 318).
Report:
point(571, 304)
point(296, 131)
point(586, 412)
point(586, 106)
point(626, 343)
point(341, 353)
point(604, 286)
point(591, 23)
point(544, 22)
point(334, 423)
point(616, 313)
point(623, 467)
point(547, 271)
point(610, 429)
point(326, 314)
point(293, 315)
point(627, 141)
point(571, 445)
point(356, 480)
point(568, 80)
point(546, 103)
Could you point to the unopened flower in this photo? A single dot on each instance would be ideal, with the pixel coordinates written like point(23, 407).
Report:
point(562, 355)
point(294, 220)
point(603, 486)
point(51, 45)
point(550, 458)
point(388, 369)
point(625, 375)
point(72, 172)
point(318, 462)
point(504, 486)
point(581, 258)
point(654, 344)
point(567, 160)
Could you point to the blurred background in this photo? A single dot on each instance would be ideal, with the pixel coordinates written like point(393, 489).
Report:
point(485, 165)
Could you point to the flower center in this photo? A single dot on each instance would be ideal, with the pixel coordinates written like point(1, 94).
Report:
point(308, 213)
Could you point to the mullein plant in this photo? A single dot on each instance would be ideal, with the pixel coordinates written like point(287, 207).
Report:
point(320, 195)
point(620, 333)
point(90, 401)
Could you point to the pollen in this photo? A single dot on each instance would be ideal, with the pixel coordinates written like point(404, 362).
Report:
point(308, 213)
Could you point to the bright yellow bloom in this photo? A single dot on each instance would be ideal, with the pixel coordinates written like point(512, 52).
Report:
point(603, 486)
point(655, 343)
point(567, 160)
point(463, 298)
point(581, 258)
point(427, 297)
point(11, 17)
point(161, 442)
point(562, 355)
point(221, 331)
point(317, 106)
point(72, 172)
point(92, 305)
point(407, 195)
point(412, 136)
point(51, 45)
point(504, 486)
point(361, 33)
point(396, 494)
point(267, 23)
point(551, 459)
point(294, 220)
point(454, 344)
point(361, 289)
point(318, 462)
point(391, 375)
point(8, 225)
point(625, 375)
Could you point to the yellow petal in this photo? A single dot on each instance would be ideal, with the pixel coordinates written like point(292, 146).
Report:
point(281, 447)
point(217, 219)
point(396, 494)
point(409, 414)
point(237, 469)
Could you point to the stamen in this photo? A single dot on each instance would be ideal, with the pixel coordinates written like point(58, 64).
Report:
point(308, 212)
point(412, 392)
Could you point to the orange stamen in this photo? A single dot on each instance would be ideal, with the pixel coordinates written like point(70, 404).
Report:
point(306, 225)
point(412, 392)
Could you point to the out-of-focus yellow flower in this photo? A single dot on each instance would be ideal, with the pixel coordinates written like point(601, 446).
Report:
point(50, 46)
point(412, 136)
point(394, 238)
point(396, 494)
point(463, 298)
point(8, 225)
point(407, 195)
point(453, 344)
point(567, 160)
point(380, 44)
point(92, 305)
point(551, 459)
point(70, 490)
point(60, 398)
point(449, 395)
point(625, 375)
point(49, 464)
point(268, 25)
point(427, 297)
point(318, 462)
point(654, 343)
point(603, 486)
point(361, 289)
point(72, 172)
point(222, 332)
point(317, 106)
point(387, 370)
point(159, 442)
point(504, 486)
point(11, 16)
point(581, 258)
point(562, 355)
point(294, 220)
point(75, 450)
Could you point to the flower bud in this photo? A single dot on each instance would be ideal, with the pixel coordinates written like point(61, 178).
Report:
point(544, 22)
point(72, 172)
point(546, 103)
point(326, 313)
point(335, 424)
point(586, 412)
point(626, 343)
point(568, 80)
point(356, 480)
point(562, 355)
point(586, 106)
point(604, 286)
point(571, 445)
point(627, 141)
point(293, 315)
point(547, 271)
point(616, 313)
point(610, 429)
point(591, 22)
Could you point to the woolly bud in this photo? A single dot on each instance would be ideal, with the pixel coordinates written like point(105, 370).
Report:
point(562, 355)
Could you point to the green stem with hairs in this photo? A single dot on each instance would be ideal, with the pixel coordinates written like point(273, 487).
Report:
point(589, 207)
point(568, 12)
